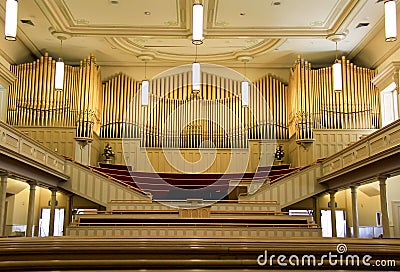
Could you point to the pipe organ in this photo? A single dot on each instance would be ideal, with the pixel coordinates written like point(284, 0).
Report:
point(33, 101)
point(314, 104)
point(178, 118)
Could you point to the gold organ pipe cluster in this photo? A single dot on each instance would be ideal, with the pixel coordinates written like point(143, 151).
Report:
point(121, 117)
point(269, 103)
point(177, 118)
point(314, 104)
point(300, 105)
point(33, 101)
point(90, 99)
point(194, 123)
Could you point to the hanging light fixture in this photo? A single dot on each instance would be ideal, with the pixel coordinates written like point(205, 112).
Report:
point(59, 78)
point(145, 87)
point(245, 93)
point(145, 92)
point(337, 66)
point(245, 85)
point(197, 24)
point(337, 74)
point(11, 18)
point(196, 80)
point(390, 21)
point(145, 81)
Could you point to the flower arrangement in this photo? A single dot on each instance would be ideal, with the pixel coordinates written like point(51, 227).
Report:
point(279, 153)
point(108, 153)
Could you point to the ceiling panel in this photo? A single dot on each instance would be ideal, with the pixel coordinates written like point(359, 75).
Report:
point(124, 13)
point(292, 14)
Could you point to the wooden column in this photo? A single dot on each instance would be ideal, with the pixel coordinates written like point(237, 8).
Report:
point(317, 211)
point(354, 208)
point(333, 212)
point(3, 191)
point(68, 212)
point(52, 210)
point(31, 208)
point(384, 208)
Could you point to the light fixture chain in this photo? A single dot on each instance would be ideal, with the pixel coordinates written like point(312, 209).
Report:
point(61, 48)
point(336, 51)
point(145, 70)
point(195, 58)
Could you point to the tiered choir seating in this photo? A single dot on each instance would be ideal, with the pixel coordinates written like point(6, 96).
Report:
point(182, 186)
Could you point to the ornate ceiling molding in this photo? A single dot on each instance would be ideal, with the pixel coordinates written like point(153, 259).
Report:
point(127, 46)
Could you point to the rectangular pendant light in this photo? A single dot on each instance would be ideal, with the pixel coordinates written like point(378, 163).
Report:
point(145, 92)
point(337, 76)
point(11, 18)
point(197, 24)
point(390, 21)
point(245, 93)
point(196, 77)
point(59, 78)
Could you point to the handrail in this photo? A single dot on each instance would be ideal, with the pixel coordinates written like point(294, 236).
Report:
point(32, 152)
point(343, 161)
point(362, 140)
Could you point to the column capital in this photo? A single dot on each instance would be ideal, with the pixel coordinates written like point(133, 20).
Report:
point(354, 186)
point(53, 189)
point(382, 179)
point(4, 174)
point(332, 192)
point(32, 183)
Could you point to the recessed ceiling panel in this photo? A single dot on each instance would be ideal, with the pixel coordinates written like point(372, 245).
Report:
point(289, 14)
point(185, 46)
point(124, 12)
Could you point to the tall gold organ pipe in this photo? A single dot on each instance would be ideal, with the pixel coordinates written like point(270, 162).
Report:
point(274, 107)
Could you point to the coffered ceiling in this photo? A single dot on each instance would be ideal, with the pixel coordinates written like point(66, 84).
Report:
point(272, 32)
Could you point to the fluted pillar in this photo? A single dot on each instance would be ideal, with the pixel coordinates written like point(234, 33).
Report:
point(3, 192)
point(333, 212)
point(384, 208)
point(52, 210)
point(354, 209)
point(31, 208)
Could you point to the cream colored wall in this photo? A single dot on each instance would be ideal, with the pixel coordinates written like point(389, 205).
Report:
point(393, 194)
point(20, 210)
point(13, 52)
point(96, 150)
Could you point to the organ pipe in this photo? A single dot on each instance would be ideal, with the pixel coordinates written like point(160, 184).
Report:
point(175, 117)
